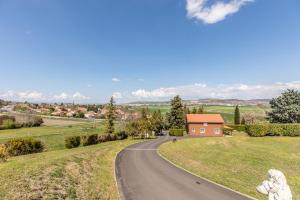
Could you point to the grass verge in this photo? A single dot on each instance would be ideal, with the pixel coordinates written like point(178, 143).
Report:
point(239, 162)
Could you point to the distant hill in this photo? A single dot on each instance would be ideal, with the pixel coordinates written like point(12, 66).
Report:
point(207, 102)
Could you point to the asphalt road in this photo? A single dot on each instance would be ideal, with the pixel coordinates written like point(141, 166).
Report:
point(143, 175)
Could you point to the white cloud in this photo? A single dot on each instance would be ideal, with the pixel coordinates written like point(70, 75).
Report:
point(61, 96)
point(26, 95)
point(78, 96)
point(215, 12)
point(117, 95)
point(223, 91)
point(115, 80)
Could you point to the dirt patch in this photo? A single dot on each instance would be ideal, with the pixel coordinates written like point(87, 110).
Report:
point(59, 122)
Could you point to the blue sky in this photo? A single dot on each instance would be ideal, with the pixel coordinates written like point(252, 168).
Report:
point(88, 50)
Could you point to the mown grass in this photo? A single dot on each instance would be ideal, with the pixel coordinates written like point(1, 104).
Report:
point(53, 136)
point(82, 173)
point(239, 162)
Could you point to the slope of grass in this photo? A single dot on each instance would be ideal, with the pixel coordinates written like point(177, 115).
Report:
point(53, 136)
point(83, 173)
point(240, 162)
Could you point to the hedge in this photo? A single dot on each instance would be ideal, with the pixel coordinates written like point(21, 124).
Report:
point(89, 140)
point(17, 147)
point(240, 128)
point(176, 132)
point(72, 142)
point(260, 130)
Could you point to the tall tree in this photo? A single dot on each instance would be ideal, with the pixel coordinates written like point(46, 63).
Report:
point(111, 116)
point(200, 110)
point(177, 115)
point(237, 115)
point(157, 122)
point(285, 108)
point(194, 111)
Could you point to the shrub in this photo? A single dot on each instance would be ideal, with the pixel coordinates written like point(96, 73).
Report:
point(89, 140)
point(9, 124)
point(176, 132)
point(72, 142)
point(240, 128)
point(112, 137)
point(16, 147)
point(3, 153)
point(121, 135)
point(259, 130)
point(103, 138)
point(227, 131)
point(6, 117)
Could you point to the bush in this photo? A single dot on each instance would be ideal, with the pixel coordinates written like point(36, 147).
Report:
point(176, 132)
point(227, 131)
point(121, 135)
point(112, 137)
point(89, 140)
point(3, 153)
point(260, 130)
point(72, 142)
point(6, 117)
point(240, 128)
point(8, 124)
point(103, 138)
point(257, 130)
point(16, 147)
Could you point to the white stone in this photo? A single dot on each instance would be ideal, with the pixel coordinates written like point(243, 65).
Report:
point(276, 186)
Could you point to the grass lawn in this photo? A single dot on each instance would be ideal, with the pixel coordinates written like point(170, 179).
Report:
point(53, 136)
point(238, 162)
point(82, 173)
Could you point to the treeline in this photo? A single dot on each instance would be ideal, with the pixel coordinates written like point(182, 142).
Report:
point(10, 122)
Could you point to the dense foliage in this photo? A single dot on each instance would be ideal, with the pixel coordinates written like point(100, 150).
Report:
point(176, 132)
point(16, 147)
point(260, 130)
point(237, 116)
point(238, 127)
point(285, 108)
point(72, 142)
point(89, 140)
point(176, 116)
point(111, 116)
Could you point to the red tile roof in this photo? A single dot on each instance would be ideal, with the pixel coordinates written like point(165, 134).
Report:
point(204, 118)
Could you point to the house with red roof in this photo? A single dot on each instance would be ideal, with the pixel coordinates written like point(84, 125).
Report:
point(207, 125)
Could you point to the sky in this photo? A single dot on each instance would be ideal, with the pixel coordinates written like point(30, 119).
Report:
point(142, 50)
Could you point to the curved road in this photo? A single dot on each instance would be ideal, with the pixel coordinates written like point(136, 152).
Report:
point(143, 175)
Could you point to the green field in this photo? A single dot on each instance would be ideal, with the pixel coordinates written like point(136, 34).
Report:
point(226, 111)
point(238, 162)
point(53, 136)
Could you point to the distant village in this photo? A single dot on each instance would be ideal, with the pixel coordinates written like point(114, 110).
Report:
point(68, 110)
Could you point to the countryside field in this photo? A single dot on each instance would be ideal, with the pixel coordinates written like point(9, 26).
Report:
point(59, 173)
point(226, 111)
point(54, 133)
point(238, 162)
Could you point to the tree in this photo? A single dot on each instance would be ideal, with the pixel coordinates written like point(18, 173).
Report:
point(243, 122)
point(200, 110)
point(111, 116)
point(285, 108)
point(157, 122)
point(194, 111)
point(176, 116)
point(237, 115)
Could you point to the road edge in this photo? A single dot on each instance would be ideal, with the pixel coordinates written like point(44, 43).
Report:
point(179, 167)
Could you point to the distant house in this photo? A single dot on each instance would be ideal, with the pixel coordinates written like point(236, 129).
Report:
point(205, 124)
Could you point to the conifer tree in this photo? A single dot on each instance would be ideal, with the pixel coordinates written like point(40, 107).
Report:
point(111, 116)
point(237, 115)
point(177, 115)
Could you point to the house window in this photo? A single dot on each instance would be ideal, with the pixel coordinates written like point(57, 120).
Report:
point(205, 124)
point(217, 131)
point(202, 130)
point(193, 130)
